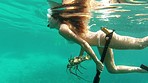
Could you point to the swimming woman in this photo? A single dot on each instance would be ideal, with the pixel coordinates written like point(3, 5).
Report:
point(71, 20)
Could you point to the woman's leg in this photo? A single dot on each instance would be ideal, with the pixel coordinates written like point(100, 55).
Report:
point(125, 42)
point(112, 68)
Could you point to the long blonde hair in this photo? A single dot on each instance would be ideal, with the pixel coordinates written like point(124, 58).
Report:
point(77, 17)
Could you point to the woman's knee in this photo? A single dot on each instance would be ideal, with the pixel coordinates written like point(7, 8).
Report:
point(145, 42)
point(142, 43)
point(113, 70)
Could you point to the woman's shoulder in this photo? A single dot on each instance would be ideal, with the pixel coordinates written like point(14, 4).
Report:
point(67, 1)
point(63, 27)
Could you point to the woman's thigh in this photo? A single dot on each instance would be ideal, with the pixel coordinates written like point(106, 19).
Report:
point(121, 42)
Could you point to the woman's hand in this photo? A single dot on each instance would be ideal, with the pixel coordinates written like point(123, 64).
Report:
point(99, 66)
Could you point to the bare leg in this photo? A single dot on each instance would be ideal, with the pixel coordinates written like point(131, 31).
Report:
point(125, 42)
point(112, 68)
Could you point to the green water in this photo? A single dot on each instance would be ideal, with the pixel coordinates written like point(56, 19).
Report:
point(30, 52)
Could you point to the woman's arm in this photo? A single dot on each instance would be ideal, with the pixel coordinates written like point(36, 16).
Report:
point(70, 35)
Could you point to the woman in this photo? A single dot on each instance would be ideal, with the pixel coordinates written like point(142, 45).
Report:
point(71, 19)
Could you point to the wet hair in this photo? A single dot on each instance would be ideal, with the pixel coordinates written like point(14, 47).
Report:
point(76, 17)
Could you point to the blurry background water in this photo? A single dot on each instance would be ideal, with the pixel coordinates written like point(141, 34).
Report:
point(30, 52)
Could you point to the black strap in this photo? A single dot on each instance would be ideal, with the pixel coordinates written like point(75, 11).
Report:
point(144, 67)
point(108, 39)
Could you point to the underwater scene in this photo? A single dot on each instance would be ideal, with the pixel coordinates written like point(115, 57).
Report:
point(31, 52)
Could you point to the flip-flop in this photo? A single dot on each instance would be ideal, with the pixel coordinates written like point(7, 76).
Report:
point(144, 67)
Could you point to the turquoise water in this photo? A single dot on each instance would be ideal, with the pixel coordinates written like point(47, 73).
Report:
point(30, 52)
